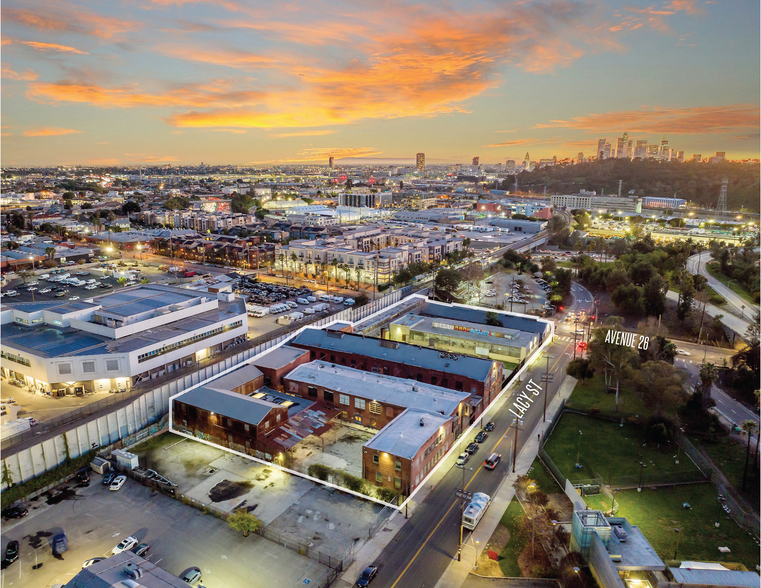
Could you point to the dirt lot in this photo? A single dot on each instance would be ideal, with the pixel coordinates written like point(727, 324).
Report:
point(343, 450)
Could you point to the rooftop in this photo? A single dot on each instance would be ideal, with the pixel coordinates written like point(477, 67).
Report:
point(228, 404)
point(636, 552)
point(472, 315)
point(472, 331)
point(280, 357)
point(380, 388)
point(403, 353)
point(110, 573)
point(686, 576)
point(404, 436)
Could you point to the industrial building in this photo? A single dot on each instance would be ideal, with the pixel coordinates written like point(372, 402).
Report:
point(594, 203)
point(480, 377)
point(112, 342)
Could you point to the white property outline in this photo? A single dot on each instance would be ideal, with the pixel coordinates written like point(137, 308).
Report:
point(529, 360)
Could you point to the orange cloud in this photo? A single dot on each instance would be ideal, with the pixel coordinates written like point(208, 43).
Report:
point(513, 143)
point(693, 120)
point(217, 56)
point(70, 21)
point(52, 47)
point(302, 134)
point(49, 132)
point(322, 153)
point(9, 73)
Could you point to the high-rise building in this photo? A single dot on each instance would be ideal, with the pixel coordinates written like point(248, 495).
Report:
point(580, 157)
point(331, 162)
point(607, 151)
point(665, 153)
point(697, 157)
point(600, 148)
point(476, 161)
point(622, 146)
point(721, 154)
point(510, 166)
point(680, 156)
point(420, 161)
point(652, 151)
point(527, 162)
point(641, 149)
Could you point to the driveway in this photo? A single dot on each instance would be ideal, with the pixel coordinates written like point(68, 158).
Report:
point(736, 304)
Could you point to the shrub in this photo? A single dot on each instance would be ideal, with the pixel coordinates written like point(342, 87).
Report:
point(354, 483)
point(319, 471)
point(387, 494)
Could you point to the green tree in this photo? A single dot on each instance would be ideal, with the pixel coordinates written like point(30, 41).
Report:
point(661, 386)
point(50, 252)
point(492, 319)
point(708, 375)
point(448, 281)
point(654, 296)
point(242, 520)
point(121, 281)
point(748, 428)
point(130, 207)
point(581, 369)
point(615, 361)
point(548, 264)
point(628, 299)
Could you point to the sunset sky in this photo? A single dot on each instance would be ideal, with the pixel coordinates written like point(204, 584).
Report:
point(100, 82)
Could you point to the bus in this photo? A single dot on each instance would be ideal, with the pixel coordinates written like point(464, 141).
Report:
point(475, 510)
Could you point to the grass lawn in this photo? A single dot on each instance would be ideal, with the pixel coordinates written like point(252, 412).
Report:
point(657, 512)
point(508, 557)
point(729, 455)
point(591, 394)
point(157, 442)
point(543, 478)
point(713, 270)
point(608, 449)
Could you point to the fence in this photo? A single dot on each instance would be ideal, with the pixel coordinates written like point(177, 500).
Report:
point(381, 518)
point(206, 368)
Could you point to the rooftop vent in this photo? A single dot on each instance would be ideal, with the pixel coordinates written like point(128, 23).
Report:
point(133, 571)
point(422, 422)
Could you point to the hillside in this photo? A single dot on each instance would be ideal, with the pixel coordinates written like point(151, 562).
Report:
point(696, 182)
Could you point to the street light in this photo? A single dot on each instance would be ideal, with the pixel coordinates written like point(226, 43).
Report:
point(516, 423)
point(475, 555)
point(546, 385)
point(578, 452)
point(677, 542)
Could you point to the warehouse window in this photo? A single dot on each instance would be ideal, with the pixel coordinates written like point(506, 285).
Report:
point(398, 466)
point(375, 407)
point(88, 367)
point(343, 399)
point(359, 403)
point(327, 395)
point(312, 391)
point(379, 477)
point(376, 459)
point(112, 365)
point(397, 482)
point(64, 369)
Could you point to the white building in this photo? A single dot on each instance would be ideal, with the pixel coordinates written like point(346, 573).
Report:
point(116, 340)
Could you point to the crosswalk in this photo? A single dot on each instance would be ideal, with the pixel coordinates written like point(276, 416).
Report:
point(564, 338)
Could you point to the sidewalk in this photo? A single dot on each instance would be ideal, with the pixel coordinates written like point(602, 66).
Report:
point(457, 572)
point(372, 549)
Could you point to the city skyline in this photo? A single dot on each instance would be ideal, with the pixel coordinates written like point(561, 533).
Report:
point(179, 81)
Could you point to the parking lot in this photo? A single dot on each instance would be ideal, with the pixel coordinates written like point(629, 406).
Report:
point(505, 287)
point(95, 520)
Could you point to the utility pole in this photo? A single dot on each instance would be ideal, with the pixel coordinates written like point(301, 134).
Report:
point(516, 423)
point(546, 386)
point(575, 324)
point(463, 495)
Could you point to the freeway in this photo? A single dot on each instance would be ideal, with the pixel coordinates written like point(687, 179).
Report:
point(422, 550)
point(696, 264)
point(736, 324)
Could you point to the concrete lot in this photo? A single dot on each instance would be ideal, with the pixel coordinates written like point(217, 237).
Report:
point(343, 450)
point(43, 407)
point(95, 520)
point(327, 520)
point(224, 480)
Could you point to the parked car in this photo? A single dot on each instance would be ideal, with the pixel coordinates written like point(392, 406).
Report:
point(83, 476)
point(142, 549)
point(60, 544)
point(92, 561)
point(14, 512)
point(117, 483)
point(481, 437)
point(489, 426)
point(472, 448)
point(44, 290)
point(11, 552)
point(492, 461)
point(367, 576)
point(463, 458)
point(108, 477)
point(126, 544)
point(191, 575)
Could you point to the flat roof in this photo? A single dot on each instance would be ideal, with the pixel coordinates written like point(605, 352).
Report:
point(403, 353)
point(229, 404)
point(715, 577)
point(466, 330)
point(140, 299)
point(280, 357)
point(378, 387)
point(509, 321)
point(636, 552)
point(404, 436)
point(243, 375)
point(110, 572)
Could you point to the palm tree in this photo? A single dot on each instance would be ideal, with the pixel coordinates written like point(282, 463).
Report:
point(345, 269)
point(748, 428)
point(335, 264)
point(358, 271)
point(50, 252)
point(708, 374)
point(281, 258)
point(294, 259)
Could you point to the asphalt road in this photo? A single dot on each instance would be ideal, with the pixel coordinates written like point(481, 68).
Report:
point(735, 303)
point(421, 552)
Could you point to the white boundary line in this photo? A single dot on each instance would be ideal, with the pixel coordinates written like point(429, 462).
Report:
point(529, 361)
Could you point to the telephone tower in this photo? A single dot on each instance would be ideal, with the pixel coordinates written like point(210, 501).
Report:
point(722, 205)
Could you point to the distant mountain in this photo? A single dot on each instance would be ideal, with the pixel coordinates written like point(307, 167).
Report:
point(696, 182)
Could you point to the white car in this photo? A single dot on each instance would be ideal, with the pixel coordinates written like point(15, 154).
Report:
point(117, 483)
point(44, 290)
point(682, 352)
point(127, 544)
point(73, 297)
